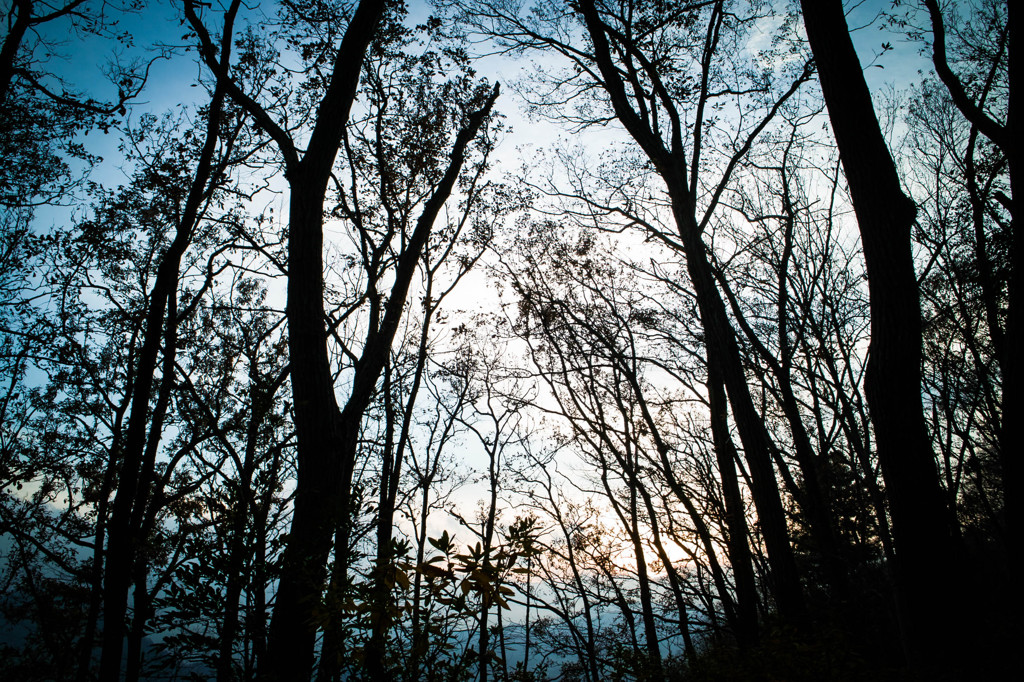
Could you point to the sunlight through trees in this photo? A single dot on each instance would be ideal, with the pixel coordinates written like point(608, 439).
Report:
point(510, 340)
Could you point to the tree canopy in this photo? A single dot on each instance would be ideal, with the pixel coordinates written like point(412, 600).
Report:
point(510, 340)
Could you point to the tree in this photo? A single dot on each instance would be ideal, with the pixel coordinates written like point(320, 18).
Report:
point(590, 340)
point(631, 380)
point(137, 455)
point(327, 435)
point(987, 92)
point(921, 520)
point(449, 249)
point(42, 113)
point(629, 56)
point(235, 364)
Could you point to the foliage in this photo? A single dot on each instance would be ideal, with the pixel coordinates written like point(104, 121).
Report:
point(552, 461)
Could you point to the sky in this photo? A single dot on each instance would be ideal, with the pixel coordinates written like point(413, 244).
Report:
point(157, 33)
point(154, 31)
point(173, 83)
point(172, 77)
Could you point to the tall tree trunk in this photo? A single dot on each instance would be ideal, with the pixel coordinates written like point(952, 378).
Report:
point(921, 521)
point(324, 435)
point(139, 449)
point(720, 339)
point(725, 361)
point(328, 437)
point(380, 588)
point(735, 515)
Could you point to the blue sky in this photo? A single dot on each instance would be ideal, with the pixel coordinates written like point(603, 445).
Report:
point(172, 81)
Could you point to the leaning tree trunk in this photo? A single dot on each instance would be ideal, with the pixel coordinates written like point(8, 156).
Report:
point(137, 455)
point(922, 528)
point(725, 363)
point(735, 516)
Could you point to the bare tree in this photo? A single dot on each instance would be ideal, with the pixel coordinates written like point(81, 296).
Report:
point(627, 56)
point(327, 434)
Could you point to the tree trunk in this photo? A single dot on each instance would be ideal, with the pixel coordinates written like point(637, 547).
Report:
point(324, 437)
point(138, 452)
point(735, 516)
point(720, 340)
point(328, 437)
point(724, 360)
point(922, 527)
point(391, 473)
point(1012, 436)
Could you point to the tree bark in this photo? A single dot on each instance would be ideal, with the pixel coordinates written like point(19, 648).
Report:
point(922, 528)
